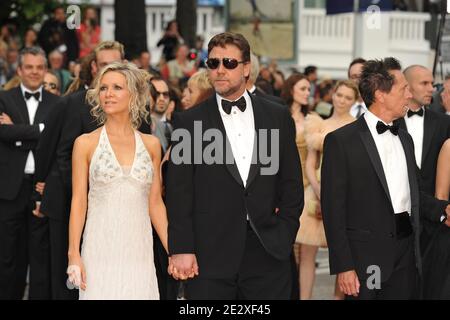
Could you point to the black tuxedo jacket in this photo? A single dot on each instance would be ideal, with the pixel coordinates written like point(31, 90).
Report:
point(258, 92)
point(436, 130)
point(208, 204)
point(356, 205)
point(18, 139)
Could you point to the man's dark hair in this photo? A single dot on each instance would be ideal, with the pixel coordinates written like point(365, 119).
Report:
point(230, 38)
point(355, 61)
point(309, 70)
point(375, 76)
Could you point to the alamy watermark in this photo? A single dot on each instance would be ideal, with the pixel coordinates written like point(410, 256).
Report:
point(73, 20)
point(196, 149)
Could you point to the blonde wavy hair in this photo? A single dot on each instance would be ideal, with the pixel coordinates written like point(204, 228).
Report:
point(137, 84)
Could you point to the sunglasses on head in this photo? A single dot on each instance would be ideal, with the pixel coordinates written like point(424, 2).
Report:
point(228, 63)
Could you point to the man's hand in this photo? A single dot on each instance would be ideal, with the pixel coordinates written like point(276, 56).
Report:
point(37, 212)
point(349, 283)
point(40, 186)
point(5, 119)
point(183, 266)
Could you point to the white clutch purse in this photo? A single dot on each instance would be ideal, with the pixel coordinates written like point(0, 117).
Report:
point(74, 277)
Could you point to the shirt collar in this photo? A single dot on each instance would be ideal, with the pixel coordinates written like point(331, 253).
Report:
point(219, 99)
point(23, 89)
point(252, 89)
point(372, 121)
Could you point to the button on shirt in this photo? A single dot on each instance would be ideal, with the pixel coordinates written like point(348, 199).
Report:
point(415, 125)
point(393, 159)
point(32, 105)
point(240, 129)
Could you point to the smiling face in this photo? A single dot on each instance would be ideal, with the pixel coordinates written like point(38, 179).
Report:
point(32, 71)
point(114, 93)
point(301, 91)
point(229, 83)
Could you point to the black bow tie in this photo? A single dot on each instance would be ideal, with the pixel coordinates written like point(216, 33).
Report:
point(415, 113)
point(227, 105)
point(28, 95)
point(382, 128)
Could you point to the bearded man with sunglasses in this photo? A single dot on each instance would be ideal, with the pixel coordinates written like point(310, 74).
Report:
point(232, 224)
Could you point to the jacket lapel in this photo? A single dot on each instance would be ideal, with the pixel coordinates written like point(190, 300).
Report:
point(258, 116)
point(429, 126)
point(216, 122)
point(22, 108)
point(371, 148)
point(412, 168)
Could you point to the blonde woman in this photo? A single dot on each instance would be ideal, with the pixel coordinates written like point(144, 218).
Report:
point(311, 234)
point(198, 90)
point(116, 193)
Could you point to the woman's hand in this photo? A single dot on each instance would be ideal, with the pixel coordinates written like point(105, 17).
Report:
point(76, 272)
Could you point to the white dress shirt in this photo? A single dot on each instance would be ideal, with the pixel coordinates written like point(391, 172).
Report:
point(393, 159)
point(32, 105)
point(415, 126)
point(240, 130)
point(355, 109)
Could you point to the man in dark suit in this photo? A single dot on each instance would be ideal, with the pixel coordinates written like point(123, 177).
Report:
point(24, 111)
point(373, 236)
point(428, 129)
point(232, 219)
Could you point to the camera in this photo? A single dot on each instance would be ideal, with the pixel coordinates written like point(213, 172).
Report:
point(193, 54)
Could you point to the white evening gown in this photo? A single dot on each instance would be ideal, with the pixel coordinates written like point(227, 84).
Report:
point(117, 247)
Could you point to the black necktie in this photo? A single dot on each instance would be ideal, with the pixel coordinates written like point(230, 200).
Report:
point(415, 113)
point(359, 113)
point(227, 105)
point(382, 128)
point(28, 95)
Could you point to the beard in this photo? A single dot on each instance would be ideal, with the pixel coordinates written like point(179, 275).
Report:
point(225, 92)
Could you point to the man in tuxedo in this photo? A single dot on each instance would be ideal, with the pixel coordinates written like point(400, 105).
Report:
point(23, 117)
point(373, 236)
point(428, 129)
point(232, 222)
point(354, 74)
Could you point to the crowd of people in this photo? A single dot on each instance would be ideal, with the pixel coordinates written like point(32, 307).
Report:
point(93, 195)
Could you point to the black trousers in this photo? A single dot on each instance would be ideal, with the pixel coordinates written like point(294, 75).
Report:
point(24, 240)
point(260, 277)
point(59, 241)
point(404, 280)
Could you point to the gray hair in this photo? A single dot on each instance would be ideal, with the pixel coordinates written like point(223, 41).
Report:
point(254, 71)
point(35, 51)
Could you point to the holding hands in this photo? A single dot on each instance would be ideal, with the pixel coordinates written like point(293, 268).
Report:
point(183, 266)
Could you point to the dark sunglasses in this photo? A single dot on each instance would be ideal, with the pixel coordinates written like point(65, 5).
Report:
point(228, 63)
point(164, 93)
point(52, 86)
